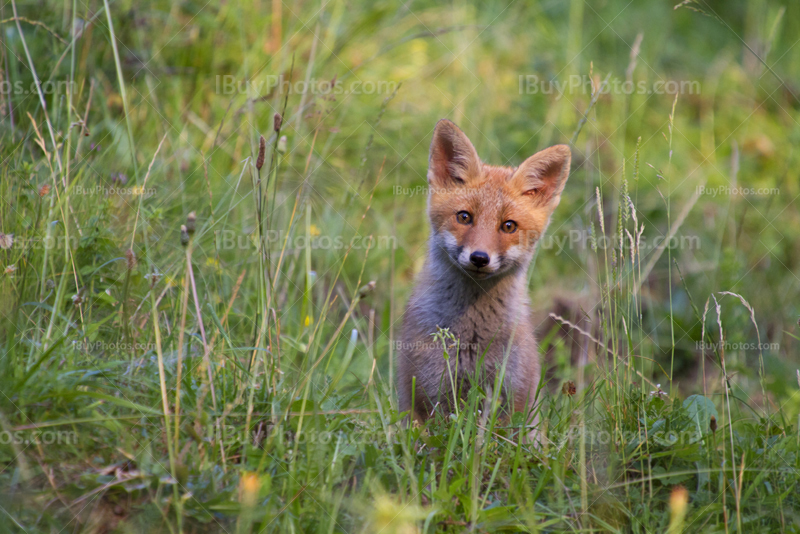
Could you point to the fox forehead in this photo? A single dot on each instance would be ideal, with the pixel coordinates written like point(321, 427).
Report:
point(491, 200)
point(491, 195)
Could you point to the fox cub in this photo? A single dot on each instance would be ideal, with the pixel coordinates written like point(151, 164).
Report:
point(485, 222)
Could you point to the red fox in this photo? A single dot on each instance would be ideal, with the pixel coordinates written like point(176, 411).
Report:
point(485, 223)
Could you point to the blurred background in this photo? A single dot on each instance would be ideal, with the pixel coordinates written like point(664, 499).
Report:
point(362, 85)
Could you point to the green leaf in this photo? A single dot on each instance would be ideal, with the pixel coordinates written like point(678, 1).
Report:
point(456, 485)
point(700, 409)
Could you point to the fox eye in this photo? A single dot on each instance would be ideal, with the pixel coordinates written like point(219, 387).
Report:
point(509, 227)
point(464, 217)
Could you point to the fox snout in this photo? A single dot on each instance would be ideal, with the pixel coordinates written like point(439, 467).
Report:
point(477, 250)
point(479, 259)
point(478, 262)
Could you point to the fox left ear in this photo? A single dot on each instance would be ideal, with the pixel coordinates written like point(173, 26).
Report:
point(543, 175)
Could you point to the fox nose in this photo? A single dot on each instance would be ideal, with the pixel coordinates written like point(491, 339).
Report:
point(479, 259)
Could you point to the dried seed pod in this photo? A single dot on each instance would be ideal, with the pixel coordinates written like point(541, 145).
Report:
point(277, 121)
point(191, 223)
point(262, 151)
point(153, 277)
point(713, 424)
point(366, 289)
point(130, 257)
point(184, 235)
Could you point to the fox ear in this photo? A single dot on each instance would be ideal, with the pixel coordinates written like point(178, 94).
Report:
point(453, 160)
point(543, 175)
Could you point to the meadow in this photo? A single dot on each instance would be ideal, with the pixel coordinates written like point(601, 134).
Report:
point(212, 215)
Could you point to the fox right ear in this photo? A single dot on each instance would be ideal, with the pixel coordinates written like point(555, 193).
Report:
point(453, 160)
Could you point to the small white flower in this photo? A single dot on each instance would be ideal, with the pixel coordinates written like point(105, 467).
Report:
point(6, 241)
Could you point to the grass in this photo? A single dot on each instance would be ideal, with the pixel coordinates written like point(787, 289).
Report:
point(201, 302)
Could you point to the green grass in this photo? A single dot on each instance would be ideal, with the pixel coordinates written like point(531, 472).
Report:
point(194, 343)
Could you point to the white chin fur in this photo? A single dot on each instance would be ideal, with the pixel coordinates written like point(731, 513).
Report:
point(515, 253)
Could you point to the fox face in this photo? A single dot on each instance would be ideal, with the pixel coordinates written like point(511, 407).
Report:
point(487, 219)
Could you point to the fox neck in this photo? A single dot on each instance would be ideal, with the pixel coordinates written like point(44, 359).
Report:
point(501, 298)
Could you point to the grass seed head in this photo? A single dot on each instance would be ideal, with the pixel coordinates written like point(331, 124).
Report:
point(130, 258)
point(191, 223)
point(600, 212)
point(367, 289)
point(626, 202)
point(262, 151)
